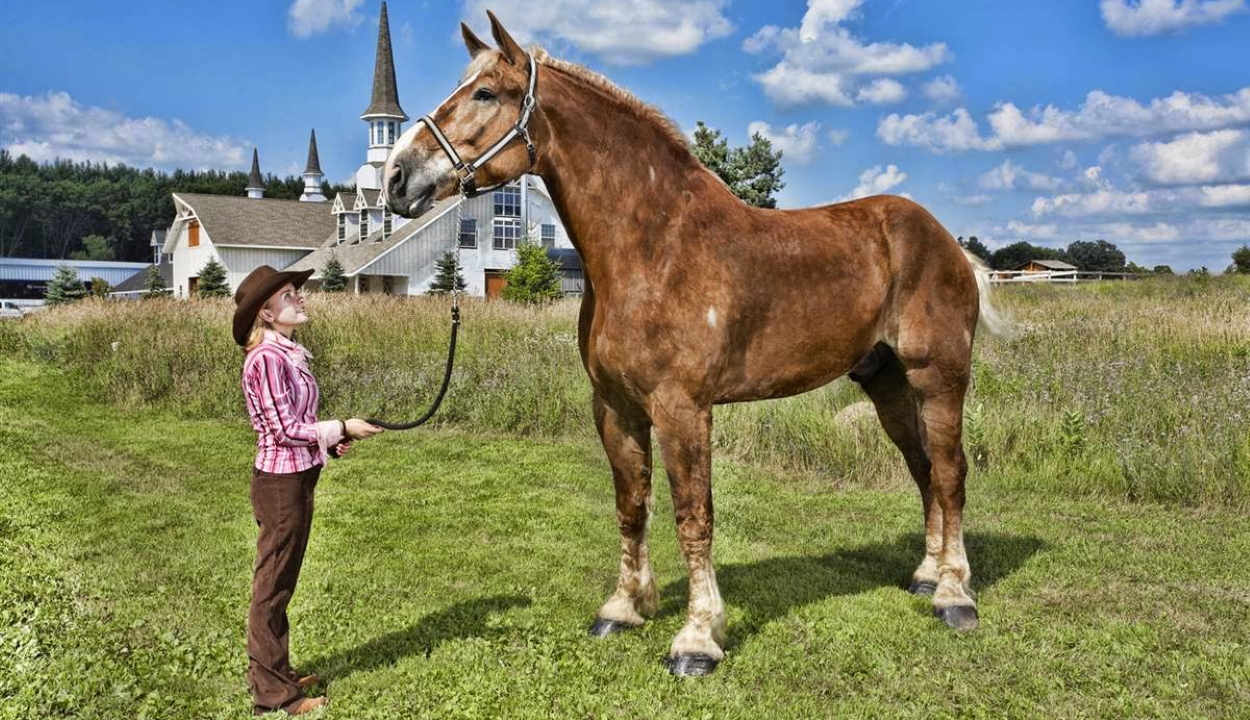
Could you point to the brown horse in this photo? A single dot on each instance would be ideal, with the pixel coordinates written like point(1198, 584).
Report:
point(695, 298)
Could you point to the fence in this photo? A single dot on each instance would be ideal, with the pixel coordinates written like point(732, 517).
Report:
point(1057, 276)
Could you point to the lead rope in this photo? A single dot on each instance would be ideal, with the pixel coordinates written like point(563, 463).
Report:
point(455, 327)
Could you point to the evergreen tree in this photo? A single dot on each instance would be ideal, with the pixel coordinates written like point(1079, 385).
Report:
point(156, 283)
point(447, 276)
point(535, 278)
point(976, 247)
point(333, 279)
point(1241, 260)
point(65, 287)
point(753, 173)
point(213, 280)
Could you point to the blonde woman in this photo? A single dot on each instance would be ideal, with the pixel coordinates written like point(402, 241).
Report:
point(292, 448)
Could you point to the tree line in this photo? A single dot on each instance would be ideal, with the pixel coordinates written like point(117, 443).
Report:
point(97, 211)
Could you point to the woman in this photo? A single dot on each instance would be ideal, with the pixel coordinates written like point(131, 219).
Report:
point(292, 448)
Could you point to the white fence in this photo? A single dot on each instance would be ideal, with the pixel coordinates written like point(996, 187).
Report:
point(1056, 276)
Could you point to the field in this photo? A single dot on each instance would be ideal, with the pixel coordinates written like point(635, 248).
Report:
point(452, 572)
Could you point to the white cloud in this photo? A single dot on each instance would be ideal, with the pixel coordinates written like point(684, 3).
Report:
point(1067, 161)
point(1010, 176)
point(875, 181)
point(624, 32)
point(1195, 158)
point(1120, 203)
point(821, 61)
point(306, 18)
point(1101, 115)
point(1152, 17)
point(882, 91)
point(55, 126)
point(797, 143)
point(942, 89)
point(971, 200)
point(838, 136)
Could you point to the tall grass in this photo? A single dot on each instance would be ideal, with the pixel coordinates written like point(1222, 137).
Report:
point(1139, 390)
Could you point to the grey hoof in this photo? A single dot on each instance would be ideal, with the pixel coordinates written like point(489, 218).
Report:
point(692, 665)
point(601, 628)
point(961, 617)
point(922, 587)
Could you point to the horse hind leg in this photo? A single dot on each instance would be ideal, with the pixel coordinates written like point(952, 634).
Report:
point(627, 442)
point(898, 408)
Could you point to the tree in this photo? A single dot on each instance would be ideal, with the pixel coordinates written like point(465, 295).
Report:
point(448, 276)
point(95, 247)
point(1136, 269)
point(155, 284)
point(1162, 270)
point(976, 247)
point(1241, 260)
point(333, 279)
point(535, 278)
point(99, 287)
point(1096, 256)
point(1010, 257)
point(753, 173)
point(64, 287)
point(213, 280)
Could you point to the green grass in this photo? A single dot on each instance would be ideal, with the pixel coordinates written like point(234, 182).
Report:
point(452, 574)
point(1126, 390)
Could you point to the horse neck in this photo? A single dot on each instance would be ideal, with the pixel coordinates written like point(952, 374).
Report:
point(615, 177)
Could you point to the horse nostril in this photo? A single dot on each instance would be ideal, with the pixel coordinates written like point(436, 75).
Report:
point(395, 183)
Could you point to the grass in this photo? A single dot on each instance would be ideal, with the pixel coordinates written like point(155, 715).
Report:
point(1131, 390)
point(452, 574)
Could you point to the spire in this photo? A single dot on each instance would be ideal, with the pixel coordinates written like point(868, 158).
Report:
point(314, 162)
point(255, 186)
point(385, 93)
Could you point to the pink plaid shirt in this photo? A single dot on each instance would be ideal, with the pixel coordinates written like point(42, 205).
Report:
point(282, 396)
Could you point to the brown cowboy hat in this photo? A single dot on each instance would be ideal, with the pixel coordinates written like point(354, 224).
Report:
point(255, 291)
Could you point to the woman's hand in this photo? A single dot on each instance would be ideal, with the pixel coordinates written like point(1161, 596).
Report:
point(341, 449)
point(358, 429)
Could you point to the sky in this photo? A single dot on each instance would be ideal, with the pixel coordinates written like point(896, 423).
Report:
point(1124, 120)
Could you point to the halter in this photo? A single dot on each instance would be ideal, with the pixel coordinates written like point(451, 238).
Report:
point(468, 170)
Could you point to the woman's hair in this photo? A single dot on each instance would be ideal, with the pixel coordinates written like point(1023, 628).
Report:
point(256, 335)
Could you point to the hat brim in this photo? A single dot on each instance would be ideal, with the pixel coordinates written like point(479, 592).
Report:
point(245, 314)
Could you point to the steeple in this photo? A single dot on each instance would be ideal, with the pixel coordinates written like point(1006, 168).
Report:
point(384, 115)
point(312, 173)
point(385, 100)
point(255, 186)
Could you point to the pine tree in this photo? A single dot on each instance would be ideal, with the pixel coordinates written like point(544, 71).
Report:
point(447, 276)
point(333, 278)
point(64, 287)
point(156, 283)
point(213, 280)
point(535, 278)
point(753, 173)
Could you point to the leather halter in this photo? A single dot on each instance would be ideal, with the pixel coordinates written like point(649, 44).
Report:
point(468, 170)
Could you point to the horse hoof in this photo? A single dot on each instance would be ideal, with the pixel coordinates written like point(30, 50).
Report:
point(692, 665)
point(961, 617)
point(922, 587)
point(601, 628)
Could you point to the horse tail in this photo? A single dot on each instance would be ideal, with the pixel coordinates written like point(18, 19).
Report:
point(995, 321)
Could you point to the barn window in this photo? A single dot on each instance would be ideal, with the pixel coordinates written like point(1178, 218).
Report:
point(508, 201)
point(549, 235)
point(387, 223)
point(364, 224)
point(468, 232)
point(506, 233)
point(342, 227)
point(193, 233)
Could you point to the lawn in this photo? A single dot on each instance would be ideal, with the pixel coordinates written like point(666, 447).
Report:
point(452, 574)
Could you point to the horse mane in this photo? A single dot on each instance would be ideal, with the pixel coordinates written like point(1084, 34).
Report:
point(643, 110)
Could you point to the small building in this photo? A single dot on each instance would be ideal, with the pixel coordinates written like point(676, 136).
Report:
point(26, 279)
point(572, 274)
point(1045, 266)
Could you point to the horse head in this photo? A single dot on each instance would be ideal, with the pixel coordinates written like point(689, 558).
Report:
point(477, 138)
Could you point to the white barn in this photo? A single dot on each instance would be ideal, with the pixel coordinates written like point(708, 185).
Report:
point(380, 252)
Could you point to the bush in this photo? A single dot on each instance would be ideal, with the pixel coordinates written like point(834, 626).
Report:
point(535, 278)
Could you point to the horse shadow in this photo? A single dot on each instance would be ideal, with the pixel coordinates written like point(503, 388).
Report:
point(771, 588)
point(462, 620)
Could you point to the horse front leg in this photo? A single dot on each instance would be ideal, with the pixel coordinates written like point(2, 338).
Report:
point(685, 435)
point(627, 441)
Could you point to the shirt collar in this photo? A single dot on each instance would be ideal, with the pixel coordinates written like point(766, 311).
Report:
point(292, 348)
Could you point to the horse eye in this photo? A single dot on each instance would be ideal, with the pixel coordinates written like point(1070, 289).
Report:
point(483, 95)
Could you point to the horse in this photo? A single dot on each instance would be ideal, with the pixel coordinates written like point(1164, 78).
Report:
point(694, 298)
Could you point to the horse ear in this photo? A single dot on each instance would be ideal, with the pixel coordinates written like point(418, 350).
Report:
point(472, 42)
point(512, 52)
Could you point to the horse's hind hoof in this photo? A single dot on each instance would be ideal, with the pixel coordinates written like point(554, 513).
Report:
point(692, 665)
point(922, 587)
point(961, 617)
point(601, 628)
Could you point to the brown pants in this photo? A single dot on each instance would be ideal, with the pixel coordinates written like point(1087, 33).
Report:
point(283, 507)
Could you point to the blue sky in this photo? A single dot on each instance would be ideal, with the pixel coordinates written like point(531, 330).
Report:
point(1041, 121)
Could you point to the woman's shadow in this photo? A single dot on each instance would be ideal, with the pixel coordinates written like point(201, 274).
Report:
point(771, 588)
point(462, 620)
